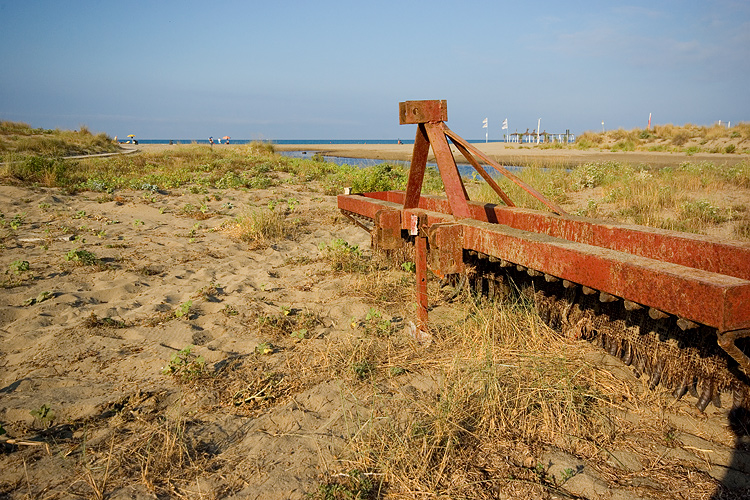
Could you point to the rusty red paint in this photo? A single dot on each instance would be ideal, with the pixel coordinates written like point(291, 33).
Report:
point(710, 298)
point(415, 112)
point(387, 231)
point(418, 167)
point(691, 250)
point(446, 248)
point(454, 186)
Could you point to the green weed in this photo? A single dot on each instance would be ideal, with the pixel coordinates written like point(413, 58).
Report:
point(265, 348)
point(186, 366)
point(82, 257)
point(363, 369)
point(44, 414)
point(355, 485)
point(19, 266)
point(183, 311)
point(343, 256)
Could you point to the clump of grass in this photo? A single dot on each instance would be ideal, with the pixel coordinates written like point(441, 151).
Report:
point(19, 266)
point(343, 256)
point(701, 213)
point(261, 228)
point(590, 175)
point(45, 415)
point(742, 230)
point(353, 485)
point(40, 170)
point(82, 257)
point(186, 366)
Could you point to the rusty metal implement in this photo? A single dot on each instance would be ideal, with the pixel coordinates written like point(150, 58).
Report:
point(699, 284)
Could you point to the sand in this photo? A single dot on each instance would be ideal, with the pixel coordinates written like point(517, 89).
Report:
point(90, 342)
point(153, 260)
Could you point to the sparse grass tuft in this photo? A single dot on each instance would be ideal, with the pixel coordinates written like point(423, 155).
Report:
point(186, 366)
point(82, 257)
point(261, 228)
point(344, 257)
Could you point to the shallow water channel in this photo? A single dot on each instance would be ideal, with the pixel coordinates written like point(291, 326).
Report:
point(464, 169)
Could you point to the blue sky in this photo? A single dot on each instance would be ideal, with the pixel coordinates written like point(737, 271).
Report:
point(165, 69)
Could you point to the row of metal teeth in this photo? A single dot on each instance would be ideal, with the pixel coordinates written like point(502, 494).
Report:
point(604, 297)
point(705, 390)
point(362, 221)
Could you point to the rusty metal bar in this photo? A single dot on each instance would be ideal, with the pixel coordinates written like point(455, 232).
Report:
point(454, 186)
point(727, 340)
point(671, 288)
point(418, 167)
point(487, 177)
point(691, 250)
point(411, 112)
point(420, 245)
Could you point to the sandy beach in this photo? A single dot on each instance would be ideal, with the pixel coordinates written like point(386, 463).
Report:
point(89, 349)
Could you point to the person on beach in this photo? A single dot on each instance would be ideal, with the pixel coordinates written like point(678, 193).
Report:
point(211, 141)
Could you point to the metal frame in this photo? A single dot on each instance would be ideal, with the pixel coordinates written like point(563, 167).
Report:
point(700, 280)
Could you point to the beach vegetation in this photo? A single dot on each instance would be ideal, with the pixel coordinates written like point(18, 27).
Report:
point(19, 266)
point(186, 366)
point(262, 227)
point(352, 485)
point(251, 166)
point(688, 138)
point(19, 140)
point(343, 256)
point(45, 415)
point(183, 311)
point(82, 257)
point(265, 348)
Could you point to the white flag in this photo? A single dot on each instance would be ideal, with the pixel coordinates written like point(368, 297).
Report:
point(484, 123)
point(505, 124)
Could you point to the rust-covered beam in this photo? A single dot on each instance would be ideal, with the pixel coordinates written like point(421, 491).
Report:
point(705, 297)
point(691, 250)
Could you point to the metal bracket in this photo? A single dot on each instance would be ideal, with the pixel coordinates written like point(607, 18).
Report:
point(726, 341)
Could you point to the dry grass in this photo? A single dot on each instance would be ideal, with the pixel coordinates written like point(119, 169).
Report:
point(687, 138)
point(262, 227)
point(501, 379)
point(19, 139)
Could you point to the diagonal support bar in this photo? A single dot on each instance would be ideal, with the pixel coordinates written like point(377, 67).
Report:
point(494, 185)
point(533, 192)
